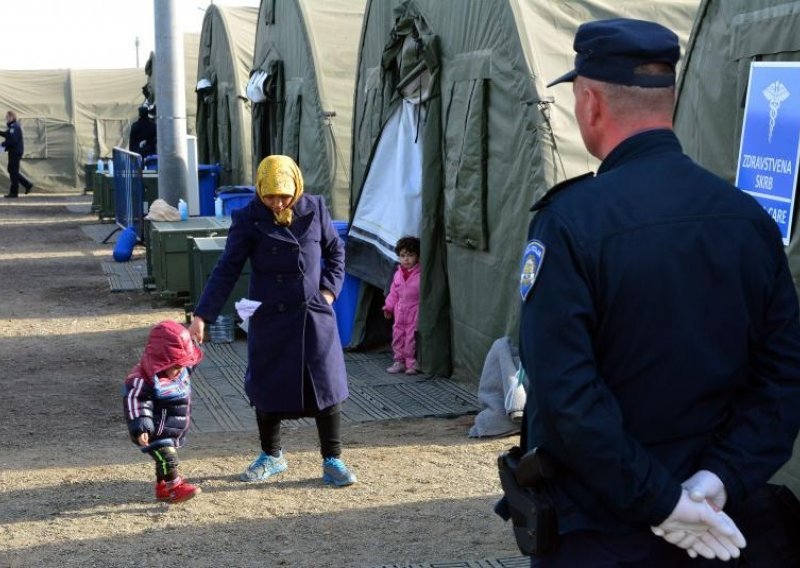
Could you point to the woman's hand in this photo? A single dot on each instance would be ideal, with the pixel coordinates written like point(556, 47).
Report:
point(197, 329)
point(328, 295)
point(143, 439)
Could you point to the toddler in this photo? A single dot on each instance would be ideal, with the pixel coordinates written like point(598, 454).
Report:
point(157, 405)
point(402, 303)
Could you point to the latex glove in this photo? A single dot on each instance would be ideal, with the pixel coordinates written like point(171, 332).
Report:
point(698, 527)
point(706, 486)
point(197, 328)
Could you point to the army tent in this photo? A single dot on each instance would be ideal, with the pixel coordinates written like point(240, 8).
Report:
point(223, 112)
point(302, 90)
point(727, 36)
point(191, 46)
point(67, 115)
point(454, 137)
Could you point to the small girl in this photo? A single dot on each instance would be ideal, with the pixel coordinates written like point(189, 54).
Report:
point(157, 400)
point(402, 303)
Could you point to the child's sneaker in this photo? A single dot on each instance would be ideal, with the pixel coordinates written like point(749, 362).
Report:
point(161, 491)
point(263, 467)
point(334, 472)
point(176, 491)
point(397, 367)
point(411, 371)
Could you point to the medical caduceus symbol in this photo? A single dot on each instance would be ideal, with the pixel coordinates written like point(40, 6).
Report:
point(775, 93)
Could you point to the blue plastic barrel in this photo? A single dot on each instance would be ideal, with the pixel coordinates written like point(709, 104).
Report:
point(345, 305)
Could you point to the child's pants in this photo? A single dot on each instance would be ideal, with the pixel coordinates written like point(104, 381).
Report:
point(404, 342)
point(167, 462)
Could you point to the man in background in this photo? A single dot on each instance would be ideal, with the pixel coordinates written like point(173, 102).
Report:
point(15, 147)
point(143, 134)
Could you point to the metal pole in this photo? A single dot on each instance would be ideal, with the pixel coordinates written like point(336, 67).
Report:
point(170, 102)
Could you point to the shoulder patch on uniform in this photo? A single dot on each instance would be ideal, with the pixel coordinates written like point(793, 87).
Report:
point(531, 266)
point(547, 197)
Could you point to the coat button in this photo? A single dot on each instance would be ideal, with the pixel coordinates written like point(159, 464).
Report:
point(274, 250)
point(281, 308)
point(279, 278)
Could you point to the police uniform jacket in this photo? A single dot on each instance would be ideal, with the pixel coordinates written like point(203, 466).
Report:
point(293, 333)
point(660, 335)
point(14, 143)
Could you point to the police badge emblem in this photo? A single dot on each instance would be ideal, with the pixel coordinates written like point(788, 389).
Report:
point(531, 266)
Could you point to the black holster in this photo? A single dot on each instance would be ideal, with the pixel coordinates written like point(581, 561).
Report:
point(527, 501)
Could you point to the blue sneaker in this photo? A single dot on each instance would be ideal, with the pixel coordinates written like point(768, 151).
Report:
point(334, 472)
point(264, 467)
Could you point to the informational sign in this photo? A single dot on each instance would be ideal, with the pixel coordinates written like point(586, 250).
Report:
point(770, 145)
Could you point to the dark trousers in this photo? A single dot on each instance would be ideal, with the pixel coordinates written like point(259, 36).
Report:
point(637, 550)
point(166, 459)
point(328, 429)
point(16, 177)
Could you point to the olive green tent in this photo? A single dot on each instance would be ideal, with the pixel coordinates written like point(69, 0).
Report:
point(223, 112)
point(302, 90)
point(727, 36)
point(67, 116)
point(454, 137)
point(191, 46)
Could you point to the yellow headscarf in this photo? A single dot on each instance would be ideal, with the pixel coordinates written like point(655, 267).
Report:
point(279, 175)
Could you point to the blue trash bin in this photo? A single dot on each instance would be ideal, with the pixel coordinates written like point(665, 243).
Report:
point(235, 196)
point(207, 181)
point(345, 304)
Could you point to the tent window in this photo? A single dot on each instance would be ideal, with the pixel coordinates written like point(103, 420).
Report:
point(370, 124)
point(291, 120)
point(111, 132)
point(35, 131)
point(465, 163)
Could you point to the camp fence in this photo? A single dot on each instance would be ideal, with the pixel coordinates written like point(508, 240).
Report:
point(128, 191)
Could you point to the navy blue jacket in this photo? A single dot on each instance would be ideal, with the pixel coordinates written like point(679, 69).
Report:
point(293, 333)
point(143, 138)
point(660, 335)
point(14, 144)
point(160, 407)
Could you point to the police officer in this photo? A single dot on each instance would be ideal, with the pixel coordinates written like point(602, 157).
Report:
point(659, 327)
point(15, 146)
point(143, 137)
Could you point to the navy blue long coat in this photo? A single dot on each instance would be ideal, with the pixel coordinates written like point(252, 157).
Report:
point(294, 330)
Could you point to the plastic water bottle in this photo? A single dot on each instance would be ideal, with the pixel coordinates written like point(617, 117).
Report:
point(110, 167)
point(100, 166)
point(183, 209)
point(218, 207)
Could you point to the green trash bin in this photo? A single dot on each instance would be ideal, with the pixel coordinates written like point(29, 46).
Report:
point(205, 252)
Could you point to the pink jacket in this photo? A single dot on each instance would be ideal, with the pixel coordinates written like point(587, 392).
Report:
point(403, 299)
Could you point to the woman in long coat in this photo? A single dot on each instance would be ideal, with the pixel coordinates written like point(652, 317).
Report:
point(295, 360)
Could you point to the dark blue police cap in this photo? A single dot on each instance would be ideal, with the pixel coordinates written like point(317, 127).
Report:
point(610, 50)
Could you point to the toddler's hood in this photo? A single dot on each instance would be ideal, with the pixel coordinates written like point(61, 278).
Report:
point(169, 344)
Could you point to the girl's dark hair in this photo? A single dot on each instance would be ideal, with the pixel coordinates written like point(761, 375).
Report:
point(409, 243)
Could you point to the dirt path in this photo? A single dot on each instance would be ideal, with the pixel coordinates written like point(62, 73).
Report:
point(74, 492)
